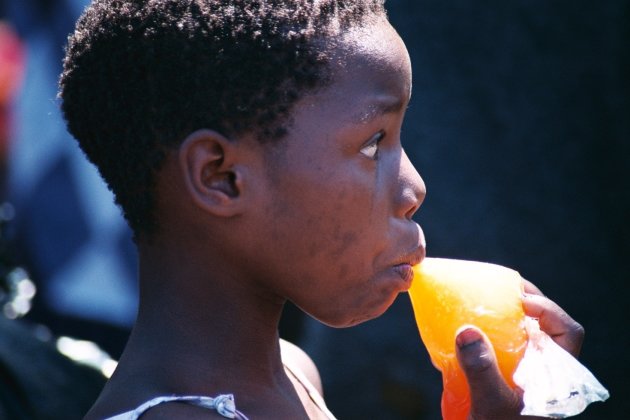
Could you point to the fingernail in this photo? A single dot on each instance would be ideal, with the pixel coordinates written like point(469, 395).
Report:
point(467, 336)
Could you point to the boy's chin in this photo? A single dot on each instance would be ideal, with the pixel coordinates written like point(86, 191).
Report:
point(347, 319)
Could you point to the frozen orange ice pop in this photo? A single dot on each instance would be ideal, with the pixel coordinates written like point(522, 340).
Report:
point(448, 294)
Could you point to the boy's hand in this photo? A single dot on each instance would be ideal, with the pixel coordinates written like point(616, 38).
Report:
point(491, 397)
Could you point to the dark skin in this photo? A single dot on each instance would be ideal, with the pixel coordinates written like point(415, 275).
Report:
point(491, 397)
point(323, 219)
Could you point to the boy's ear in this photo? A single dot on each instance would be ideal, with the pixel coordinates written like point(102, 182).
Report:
point(208, 161)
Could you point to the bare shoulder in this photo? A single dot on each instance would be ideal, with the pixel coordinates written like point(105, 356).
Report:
point(295, 357)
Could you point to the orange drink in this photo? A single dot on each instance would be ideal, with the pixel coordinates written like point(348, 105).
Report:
point(448, 294)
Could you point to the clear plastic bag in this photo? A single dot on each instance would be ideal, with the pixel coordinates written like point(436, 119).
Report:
point(555, 384)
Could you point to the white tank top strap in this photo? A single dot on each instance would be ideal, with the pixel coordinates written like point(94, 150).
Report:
point(313, 393)
point(223, 404)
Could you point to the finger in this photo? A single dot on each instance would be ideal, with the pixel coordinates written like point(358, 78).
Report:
point(554, 321)
point(491, 397)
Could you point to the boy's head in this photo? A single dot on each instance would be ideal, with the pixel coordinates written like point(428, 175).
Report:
point(256, 141)
point(140, 76)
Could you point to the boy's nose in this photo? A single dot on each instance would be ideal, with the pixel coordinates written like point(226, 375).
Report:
point(413, 189)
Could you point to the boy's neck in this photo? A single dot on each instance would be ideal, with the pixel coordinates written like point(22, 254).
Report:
point(199, 331)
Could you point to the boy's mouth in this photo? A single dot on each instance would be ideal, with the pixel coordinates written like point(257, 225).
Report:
point(417, 252)
point(405, 271)
point(404, 268)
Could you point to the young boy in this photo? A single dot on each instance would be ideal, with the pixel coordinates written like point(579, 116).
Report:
point(254, 148)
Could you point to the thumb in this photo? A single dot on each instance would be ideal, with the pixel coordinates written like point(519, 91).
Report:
point(475, 355)
point(489, 393)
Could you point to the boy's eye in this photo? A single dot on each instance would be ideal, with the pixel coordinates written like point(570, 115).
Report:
point(370, 149)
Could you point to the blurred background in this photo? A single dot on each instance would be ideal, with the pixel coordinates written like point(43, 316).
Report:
point(519, 124)
point(66, 230)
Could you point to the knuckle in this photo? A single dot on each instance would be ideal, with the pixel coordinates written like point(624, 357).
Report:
point(481, 364)
point(577, 331)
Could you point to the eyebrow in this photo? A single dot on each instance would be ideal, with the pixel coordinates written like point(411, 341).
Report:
point(376, 109)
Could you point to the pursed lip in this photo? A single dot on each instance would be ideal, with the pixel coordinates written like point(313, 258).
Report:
point(417, 256)
point(405, 268)
point(416, 252)
point(405, 264)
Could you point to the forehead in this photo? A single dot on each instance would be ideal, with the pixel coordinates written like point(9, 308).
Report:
point(368, 90)
point(370, 76)
point(370, 73)
point(377, 43)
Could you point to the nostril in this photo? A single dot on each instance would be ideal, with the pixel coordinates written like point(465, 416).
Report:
point(412, 210)
point(417, 192)
point(414, 189)
point(412, 201)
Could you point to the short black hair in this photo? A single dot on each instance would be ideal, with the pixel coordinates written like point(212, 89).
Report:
point(140, 75)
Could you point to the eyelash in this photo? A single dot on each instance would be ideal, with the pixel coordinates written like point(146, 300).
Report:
point(370, 150)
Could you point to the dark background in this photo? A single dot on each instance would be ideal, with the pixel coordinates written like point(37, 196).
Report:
point(520, 126)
